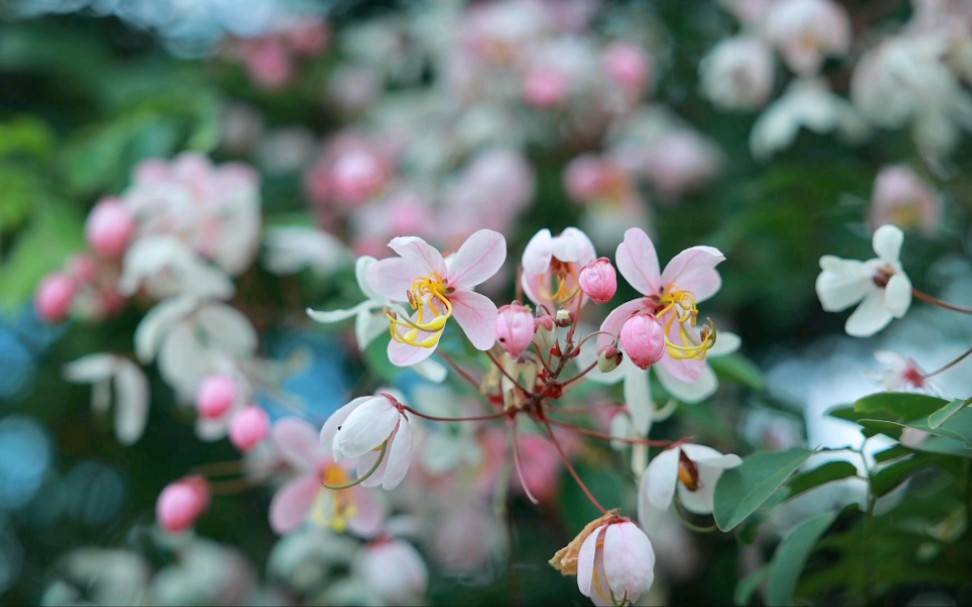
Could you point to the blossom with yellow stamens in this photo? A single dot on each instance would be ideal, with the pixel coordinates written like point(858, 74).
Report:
point(552, 266)
point(437, 291)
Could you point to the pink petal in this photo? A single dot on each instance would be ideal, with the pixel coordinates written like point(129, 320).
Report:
point(476, 315)
point(330, 428)
point(585, 562)
point(392, 278)
point(423, 258)
point(399, 457)
point(693, 270)
point(533, 285)
point(292, 502)
point(659, 480)
point(629, 561)
point(477, 259)
point(638, 263)
point(404, 355)
point(367, 427)
point(685, 369)
point(537, 253)
point(298, 442)
point(370, 518)
point(612, 324)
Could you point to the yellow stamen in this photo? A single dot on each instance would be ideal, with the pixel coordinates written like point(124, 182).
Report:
point(428, 298)
point(335, 508)
point(679, 306)
point(564, 275)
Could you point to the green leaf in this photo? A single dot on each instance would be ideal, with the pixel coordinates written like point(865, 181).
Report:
point(790, 557)
point(889, 477)
point(941, 416)
point(893, 452)
point(738, 368)
point(903, 405)
point(741, 490)
point(747, 586)
point(830, 471)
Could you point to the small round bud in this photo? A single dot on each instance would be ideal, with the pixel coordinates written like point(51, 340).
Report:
point(249, 427)
point(598, 280)
point(109, 228)
point(643, 339)
point(628, 65)
point(181, 503)
point(514, 329)
point(545, 334)
point(54, 297)
point(215, 396)
point(608, 358)
point(545, 88)
point(564, 318)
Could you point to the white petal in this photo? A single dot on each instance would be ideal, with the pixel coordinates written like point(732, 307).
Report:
point(842, 283)
point(638, 400)
point(227, 329)
point(537, 253)
point(629, 561)
point(330, 316)
point(688, 391)
point(659, 479)
point(368, 426)
point(887, 243)
point(726, 343)
point(131, 402)
point(90, 368)
point(183, 361)
point(897, 295)
point(869, 317)
point(585, 562)
point(157, 323)
point(399, 456)
point(361, 275)
point(368, 325)
point(431, 370)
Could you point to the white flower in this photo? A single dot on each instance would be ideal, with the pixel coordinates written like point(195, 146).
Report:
point(807, 104)
point(165, 266)
point(880, 285)
point(290, 249)
point(692, 471)
point(738, 74)
point(131, 391)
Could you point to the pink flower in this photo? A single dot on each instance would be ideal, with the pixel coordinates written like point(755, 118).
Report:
point(671, 296)
point(54, 297)
point(357, 176)
point(394, 570)
point(182, 502)
point(616, 564)
point(249, 427)
point(436, 292)
point(598, 280)
point(628, 65)
point(305, 496)
point(110, 227)
point(904, 199)
point(515, 328)
point(552, 264)
point(215, 396)
point(367, 429)
point(643, 338)
point(545, 88)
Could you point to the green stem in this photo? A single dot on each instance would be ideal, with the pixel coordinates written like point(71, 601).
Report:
point(381, 456)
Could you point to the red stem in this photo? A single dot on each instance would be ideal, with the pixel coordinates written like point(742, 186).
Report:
point(472, 418)
point(465, 374)
point(925, 297)
point(948, 366)
point(570, 466)
point(514, 438)
point(596, 434)
point(508, 376)
point(579, 375)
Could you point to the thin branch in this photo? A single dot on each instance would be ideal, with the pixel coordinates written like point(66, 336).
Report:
point(570, 467)
point(925, 297)
point(472, 418)
point(465, 374)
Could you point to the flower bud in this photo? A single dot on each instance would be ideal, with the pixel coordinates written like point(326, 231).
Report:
point(544, 89)
point(545, 333)
point(181, 503)
point(54, 297)
point(598, 280)
point(357, 176)
point(564, 318)
point(109, 228)
point(628, 65)
point(514, 329)
point(215, 396)
point(249, 427)
point(608, 359)
point(643, 339)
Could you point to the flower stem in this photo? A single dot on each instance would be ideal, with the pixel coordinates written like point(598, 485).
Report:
point(465, 374)
point(948, 366)
point(596, 434)
point(374, 468)
point(471, 418)
point(507, 375)
point(570, 467)
point(925, 297)
point(514, 439)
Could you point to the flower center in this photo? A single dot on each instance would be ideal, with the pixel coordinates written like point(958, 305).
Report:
point(563, 274)
point(678, 306)
point(428, 298)
point(335, 508)
point(883, 276)
point(688, 472)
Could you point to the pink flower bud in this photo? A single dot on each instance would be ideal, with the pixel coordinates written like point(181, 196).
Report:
point(215, 396)
point(514, 329)
point(83, 269)
point(357, 176)
point(109, 228)
point(181, 503)
point(616, 564)
point(598, 280)
point(249, 427)
point(545, 88)
point(628, 65)
point(54, 296)
point(643, 339)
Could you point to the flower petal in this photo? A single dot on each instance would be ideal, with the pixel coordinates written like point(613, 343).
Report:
point(585, 561)
point(869, 317)
point(615, 320)
point(842, 283)
point(368, 325)
point(638, 400)
point(572, 245)
point(399, 456)
point(638, 263)
point(423, 258)
point(370, 518)
point(329, 316)
point(361, 275)
point(298, 443)
point(476, 315)
point(658, 481)
point(155, 325)
point(132, 401)
point(537, 253)
point(367, 427)
point(292, 502)
point(629, 561)
point(405, 355)
point(431, 370)
point(897, 295)
point(694, 270)
point(336, 420)
point(392, 278)
point(887, 243)
point(477, 259)
point(689, 391)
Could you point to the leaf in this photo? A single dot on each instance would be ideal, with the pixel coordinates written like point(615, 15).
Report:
point(939, 417)
point(889, 477)
point(903, 405)
point(790, 557)
point(893, 452)
point(741, 490)
point(738, 368)
point(830, 471)
point(748, 585)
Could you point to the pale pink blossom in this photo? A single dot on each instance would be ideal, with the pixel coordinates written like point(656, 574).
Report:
point(54, 296)
point(515, 328)
point(306, 498)
point(394, 569)
point(371, 431)
point(616, 564)
point(807, 31)
point(249, 426)
point(436, 292)
point(545, 88)
point(880, 285)
point(552, 265)
point(268, 62)
point(670, 296)
point(630, 66)
point(598, 280)
point(109, 227)
point(681, 161)
point(690, 471)
point(182, 502)
point(901, 373)
point(904, 199)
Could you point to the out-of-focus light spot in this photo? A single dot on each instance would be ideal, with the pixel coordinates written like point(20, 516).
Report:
point(25, 457)
point(95, 493)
